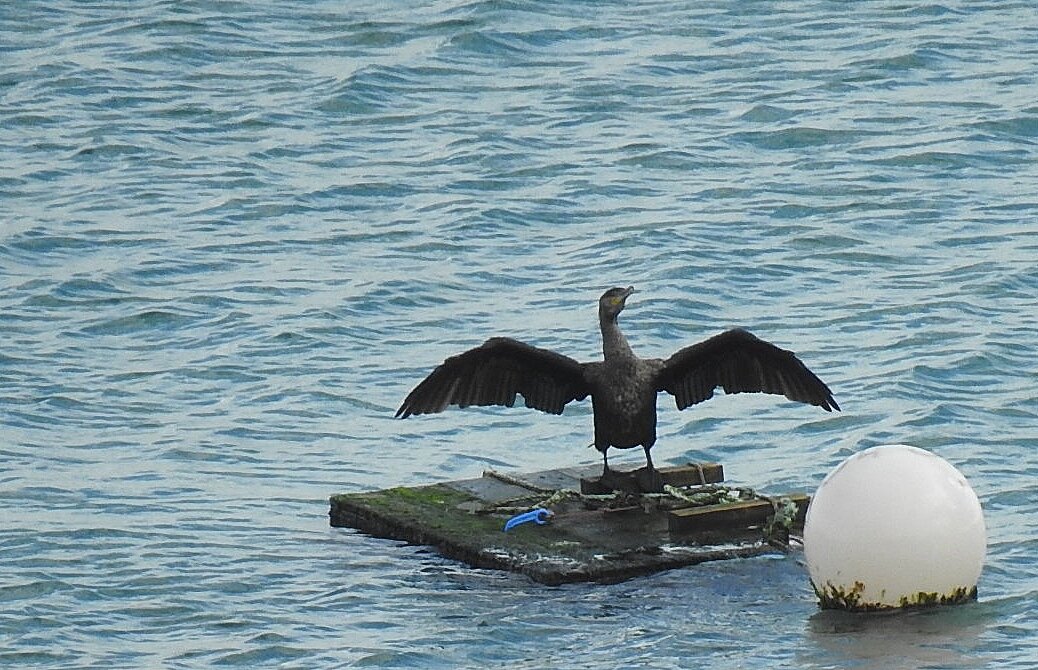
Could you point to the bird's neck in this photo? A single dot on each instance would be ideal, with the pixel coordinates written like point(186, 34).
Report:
point(614, 344)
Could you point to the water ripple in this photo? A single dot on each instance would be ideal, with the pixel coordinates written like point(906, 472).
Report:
point(235, 236)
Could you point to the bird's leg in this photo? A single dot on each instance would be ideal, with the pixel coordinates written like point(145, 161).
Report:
point(611, 479)
point(652, 481)
point(648, 460)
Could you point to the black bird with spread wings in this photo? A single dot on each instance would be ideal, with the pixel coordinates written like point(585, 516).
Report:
point(622, 387)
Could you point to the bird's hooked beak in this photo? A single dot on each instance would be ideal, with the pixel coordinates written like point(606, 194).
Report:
point(626, 294)
point(614, 299)
point(622, 300)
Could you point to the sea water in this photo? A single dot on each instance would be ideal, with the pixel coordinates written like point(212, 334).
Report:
point(233, 235)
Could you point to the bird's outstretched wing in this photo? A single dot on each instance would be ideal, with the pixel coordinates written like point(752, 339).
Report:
point(740, 362)
point(493, 373)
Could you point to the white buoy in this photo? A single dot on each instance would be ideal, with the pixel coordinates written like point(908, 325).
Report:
point(894, 526)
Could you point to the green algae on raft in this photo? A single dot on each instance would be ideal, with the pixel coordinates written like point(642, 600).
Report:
point(433, 508)
point(588, 538)
point(433, 515)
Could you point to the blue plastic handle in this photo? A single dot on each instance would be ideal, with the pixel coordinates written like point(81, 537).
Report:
point(539, 516)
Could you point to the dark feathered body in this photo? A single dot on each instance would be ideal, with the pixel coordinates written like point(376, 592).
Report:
point(622, 387)
point(623, 398)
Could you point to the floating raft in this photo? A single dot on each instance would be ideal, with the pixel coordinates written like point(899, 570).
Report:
point(592, 535)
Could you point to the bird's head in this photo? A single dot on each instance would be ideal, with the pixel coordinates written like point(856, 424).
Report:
point(612, 302)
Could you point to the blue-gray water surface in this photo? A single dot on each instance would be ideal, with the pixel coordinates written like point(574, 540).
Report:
point(233, 235)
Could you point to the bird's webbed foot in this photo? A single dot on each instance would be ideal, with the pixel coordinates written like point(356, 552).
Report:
point(642, 480)
point(648, 479)
point(615, 480)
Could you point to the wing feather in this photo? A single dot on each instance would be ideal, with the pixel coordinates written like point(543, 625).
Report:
point(739, 362)
point(493, 373)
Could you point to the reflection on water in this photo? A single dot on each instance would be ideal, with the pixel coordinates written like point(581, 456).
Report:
point(942, 637)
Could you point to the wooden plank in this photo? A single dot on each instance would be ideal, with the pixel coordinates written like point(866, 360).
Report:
point(733, 515)
point(692, 474)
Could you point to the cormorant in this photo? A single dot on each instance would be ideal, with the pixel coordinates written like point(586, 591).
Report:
point(622, 387)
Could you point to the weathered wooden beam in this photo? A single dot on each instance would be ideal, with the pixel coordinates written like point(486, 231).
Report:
point(731, 515)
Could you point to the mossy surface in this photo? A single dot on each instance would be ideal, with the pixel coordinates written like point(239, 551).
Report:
point(429, 507)
point(582, 542)
point(403, 498)
point(434, 512)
